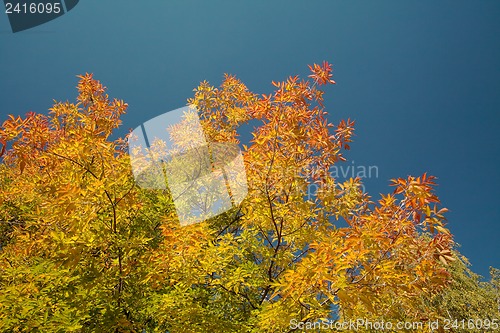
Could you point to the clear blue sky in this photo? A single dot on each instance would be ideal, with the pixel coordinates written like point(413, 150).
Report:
point(421, 79)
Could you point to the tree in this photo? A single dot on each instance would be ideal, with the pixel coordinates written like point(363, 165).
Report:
point(467, 299)
point(85, 249)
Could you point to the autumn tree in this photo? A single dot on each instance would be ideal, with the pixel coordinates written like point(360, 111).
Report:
point(72, 258)
point(85, 249)
point(467, 302)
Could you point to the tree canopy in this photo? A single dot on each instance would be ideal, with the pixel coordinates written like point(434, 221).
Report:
point(85, 249)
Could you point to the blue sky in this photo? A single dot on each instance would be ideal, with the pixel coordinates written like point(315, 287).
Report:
point(421, 79)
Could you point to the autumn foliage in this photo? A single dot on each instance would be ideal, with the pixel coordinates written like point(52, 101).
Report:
point(84, 249)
